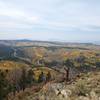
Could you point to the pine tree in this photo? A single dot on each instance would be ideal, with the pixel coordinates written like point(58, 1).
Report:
point(3, 86)
point(30, 77)
point(42, 77)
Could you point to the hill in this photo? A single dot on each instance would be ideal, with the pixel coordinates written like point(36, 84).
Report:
point(85, 87)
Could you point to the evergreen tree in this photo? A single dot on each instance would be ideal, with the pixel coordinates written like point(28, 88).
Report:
point(42, 77)
point(30, 77)
point(3, 86)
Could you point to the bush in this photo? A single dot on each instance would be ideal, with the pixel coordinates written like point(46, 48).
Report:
point(81, 88)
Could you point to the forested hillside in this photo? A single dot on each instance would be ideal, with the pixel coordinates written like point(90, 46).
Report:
point(25, 71)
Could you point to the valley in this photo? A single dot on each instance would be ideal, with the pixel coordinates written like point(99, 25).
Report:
point(30, 66)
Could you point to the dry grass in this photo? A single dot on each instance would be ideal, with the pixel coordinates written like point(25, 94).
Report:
point(9, 65)
point(45, 70)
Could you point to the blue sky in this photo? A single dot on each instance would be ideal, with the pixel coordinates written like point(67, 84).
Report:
point(59, 20)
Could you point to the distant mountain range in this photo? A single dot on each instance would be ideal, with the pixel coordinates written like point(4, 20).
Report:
point(31, 43)
point(57, 42)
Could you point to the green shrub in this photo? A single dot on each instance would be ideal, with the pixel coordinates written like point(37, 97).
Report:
point(81, 88)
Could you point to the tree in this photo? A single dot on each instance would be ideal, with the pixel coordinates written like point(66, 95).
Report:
point(30, 77)
point(69, 63)
point(23, 79)
point(3, 86)
point(81, 59)
point(66, 74)
point(42, 77)
point(48, 76)
point(13, 78)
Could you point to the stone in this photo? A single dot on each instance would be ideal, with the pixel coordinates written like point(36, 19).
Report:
point(57, 92)
point(83, 98)
point(66, 93)
point(93, 96)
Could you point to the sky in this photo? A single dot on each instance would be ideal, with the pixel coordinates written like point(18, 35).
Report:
point(50, 20)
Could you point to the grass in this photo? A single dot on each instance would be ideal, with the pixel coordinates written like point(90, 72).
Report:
point(45, 70)
point(10, 65)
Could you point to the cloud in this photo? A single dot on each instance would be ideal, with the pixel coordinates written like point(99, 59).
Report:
point(50, 17)
point(12, 17)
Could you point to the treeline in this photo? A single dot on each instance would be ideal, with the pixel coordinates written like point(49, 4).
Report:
point(83, 64)
point(19, 79)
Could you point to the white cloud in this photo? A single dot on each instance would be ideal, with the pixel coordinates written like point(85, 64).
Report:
point(55, 16)
point(17, 17)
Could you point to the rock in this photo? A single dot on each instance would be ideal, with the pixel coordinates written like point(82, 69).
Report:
point(66, 93)
point(83, 98)
point(57, 92)
point(93, 96)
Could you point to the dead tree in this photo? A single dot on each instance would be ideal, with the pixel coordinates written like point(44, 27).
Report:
point(66, 74)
